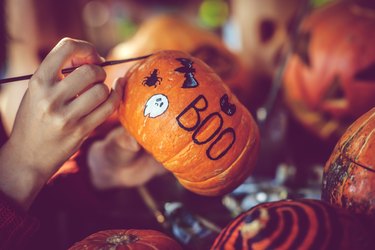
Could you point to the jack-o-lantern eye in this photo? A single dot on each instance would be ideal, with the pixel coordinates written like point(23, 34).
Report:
point(301, 47)
point(335, 91)
point(267, 28)
point(367, 74)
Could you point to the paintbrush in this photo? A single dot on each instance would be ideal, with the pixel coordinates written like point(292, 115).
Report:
point(69, 70)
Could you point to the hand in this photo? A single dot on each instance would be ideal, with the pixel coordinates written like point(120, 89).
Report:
point(56, 114)
point(119, 161)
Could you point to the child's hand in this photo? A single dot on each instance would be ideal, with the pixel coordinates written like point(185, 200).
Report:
point(56, 114)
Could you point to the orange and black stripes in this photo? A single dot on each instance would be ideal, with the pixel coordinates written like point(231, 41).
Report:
point(288, 224)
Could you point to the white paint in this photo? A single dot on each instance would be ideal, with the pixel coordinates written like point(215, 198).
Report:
point(156, 105)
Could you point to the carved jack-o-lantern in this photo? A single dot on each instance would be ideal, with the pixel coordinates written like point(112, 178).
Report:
point(121, 239)
point(349, 174)
point(180, 111)
point(171, 32)
point(264, 30)
point(295, 224)
point(330, 79)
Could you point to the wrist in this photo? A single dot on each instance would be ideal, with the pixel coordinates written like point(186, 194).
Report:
point(19, 177)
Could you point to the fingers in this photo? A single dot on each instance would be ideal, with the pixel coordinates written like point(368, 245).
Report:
point(119, 86)
point(68, 52)
point(94, 96)
point(80, 79)
point(101, 112)
point(87, 101)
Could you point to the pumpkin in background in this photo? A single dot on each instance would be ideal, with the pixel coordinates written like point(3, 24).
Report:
point(329, 81)
point(349, 174)
point(179, 110)
point(264, 28)
point(295, 224)
point(123, 239)
point(172, 32)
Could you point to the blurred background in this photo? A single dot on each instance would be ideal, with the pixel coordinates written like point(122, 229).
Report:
point(257, 47)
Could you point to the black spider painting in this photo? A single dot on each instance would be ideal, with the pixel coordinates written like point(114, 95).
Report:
point(188, 70)
point(153, 79)
point(226, 107)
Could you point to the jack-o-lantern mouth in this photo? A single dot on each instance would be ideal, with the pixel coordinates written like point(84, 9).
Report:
point(334, 99)
point(323, 124)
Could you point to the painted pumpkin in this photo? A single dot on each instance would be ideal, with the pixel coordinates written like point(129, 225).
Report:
point(349, 174)
point(124, 239)
point(295, 224)
point(180, 111)
point(172, 32)
point(330, 78)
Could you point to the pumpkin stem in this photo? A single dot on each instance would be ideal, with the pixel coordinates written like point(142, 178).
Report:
point(122, 239)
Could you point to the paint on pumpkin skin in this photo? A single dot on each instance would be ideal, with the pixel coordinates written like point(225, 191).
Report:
point(219, 142)
point(188, 70)
point(275, 229)
point(153, 79)
point(156, 105)
point(227, 107)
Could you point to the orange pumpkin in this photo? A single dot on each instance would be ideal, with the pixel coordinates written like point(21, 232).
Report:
point(124, 239)
point(180, 111)
point(172, 32)
point(295, 224)
point(330, 78)
point(349, 174)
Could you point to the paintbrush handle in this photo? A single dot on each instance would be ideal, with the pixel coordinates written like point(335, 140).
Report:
point(108, 63)
point(71, 69)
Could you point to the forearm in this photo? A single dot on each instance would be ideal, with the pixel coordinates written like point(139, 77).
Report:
point(19, 178)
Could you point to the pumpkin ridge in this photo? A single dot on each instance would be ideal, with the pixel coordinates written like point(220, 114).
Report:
point(359, 164)
point(251, 143)
point(179, 170)
point(344, 147)
point(231, 164)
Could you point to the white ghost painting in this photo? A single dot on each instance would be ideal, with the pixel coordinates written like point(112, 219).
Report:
point(156, 105)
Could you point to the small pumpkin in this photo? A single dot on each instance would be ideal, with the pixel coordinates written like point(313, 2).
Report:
point(349, 174)
point(172, 32)
point(329, 81)
point(123, 239)
point(180, 111)
point(295, 224)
